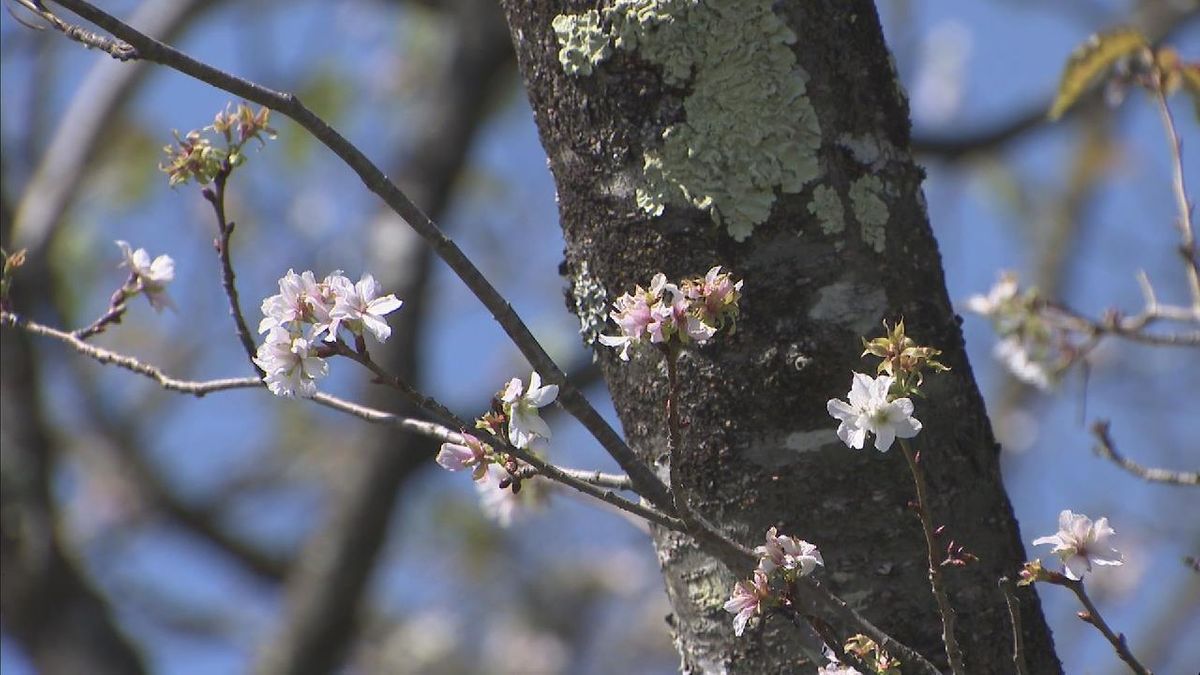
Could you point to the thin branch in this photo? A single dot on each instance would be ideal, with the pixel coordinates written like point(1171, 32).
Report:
point(613, 481)
point(1092, 616)
point(117, 49)
point(216, 197)
point(109, 357)
point(115, 312)
point(436, 409)
point(1008, 588)
point(953, 651)
point(1187, 237)
point(1108, 450)
point(570, 398)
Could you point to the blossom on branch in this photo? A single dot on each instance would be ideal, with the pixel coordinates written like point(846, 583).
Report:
point(1026, 326)
point(791, 555)
point(526, 428)
point(359, 306)
point(152, 275)
point(871, 410)
point(290, 363)
point(747, 600)
point(472, 454)
point(300, 300)
point(666, 313)
point(1079, 543)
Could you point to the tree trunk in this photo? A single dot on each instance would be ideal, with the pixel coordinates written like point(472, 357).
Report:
point(800, 98)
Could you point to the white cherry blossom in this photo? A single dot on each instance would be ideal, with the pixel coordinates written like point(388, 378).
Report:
point(526, 428)
point(152, 275)
point(359, 306)
point(290, 364)
point(870, 411)
point(1080, 543)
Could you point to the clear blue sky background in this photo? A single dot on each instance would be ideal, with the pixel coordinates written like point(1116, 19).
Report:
point(306, 211)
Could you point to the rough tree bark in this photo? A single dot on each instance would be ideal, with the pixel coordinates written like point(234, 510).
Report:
point(849, 248)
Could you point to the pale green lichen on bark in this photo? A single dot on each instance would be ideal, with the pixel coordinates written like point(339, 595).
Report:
point(826, 205)
point(583, 43)
point(749, 128)
point(870, 208)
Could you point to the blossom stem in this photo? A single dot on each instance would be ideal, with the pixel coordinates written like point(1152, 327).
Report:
point(953, 652)
point(216, 197)
point(1092, 616)
point(116, 310)
point(675, 433)
point(1007, 587)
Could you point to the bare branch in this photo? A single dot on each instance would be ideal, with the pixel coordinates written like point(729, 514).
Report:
point(1091, 615)
point(117, 49)
point(1107, 449)
point(129, 363)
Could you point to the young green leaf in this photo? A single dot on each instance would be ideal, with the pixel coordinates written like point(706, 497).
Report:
point(1091, 60)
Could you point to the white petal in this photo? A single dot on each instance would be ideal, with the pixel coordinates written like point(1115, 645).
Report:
point(544, 396)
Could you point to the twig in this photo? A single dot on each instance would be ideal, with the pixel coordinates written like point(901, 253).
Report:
point(1008, 588)
point(1092, 616)
point(106, 356)
point(614, 481)
point(120, 51)
point(674, 434)
point(953, 652)
point(216, 197)
point(1187, 237)
point(114, 313)
point(570, 398)
point(1107, 449)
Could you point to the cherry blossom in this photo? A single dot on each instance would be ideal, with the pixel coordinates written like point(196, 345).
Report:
point(359, 306)
point(746, 600)
point(526, 428)
point(290, 364)
point(1079, 543)
point(300, 300)
point(471, 454)
point(869, 410)
point(784, 552)
point(152, 276)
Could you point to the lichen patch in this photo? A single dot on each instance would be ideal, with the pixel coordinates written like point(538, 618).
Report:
point(750, 128)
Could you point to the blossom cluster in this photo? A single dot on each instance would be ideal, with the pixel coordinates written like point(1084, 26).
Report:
point(782, 559)
point(306, 313)
point(880, 405)
point(1080, 543)
point(194, 157)
point(498, 475)
point(499, 495)
point(1027, 339)
point(667, 313)
point(149, 277)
